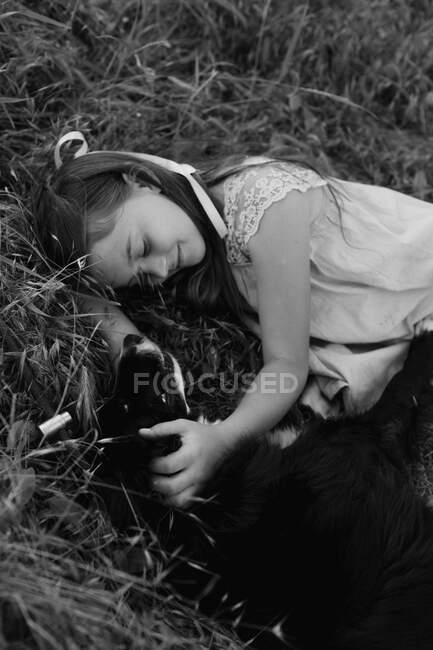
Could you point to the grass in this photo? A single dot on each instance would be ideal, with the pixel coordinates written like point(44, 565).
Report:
point(345, 85)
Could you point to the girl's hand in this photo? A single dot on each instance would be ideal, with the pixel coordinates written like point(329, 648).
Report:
point(182, 474)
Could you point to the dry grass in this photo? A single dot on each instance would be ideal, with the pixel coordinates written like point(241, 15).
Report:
point(346, 85)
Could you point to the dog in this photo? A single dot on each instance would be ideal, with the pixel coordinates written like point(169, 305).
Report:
point(321, 544)
point(142, 398)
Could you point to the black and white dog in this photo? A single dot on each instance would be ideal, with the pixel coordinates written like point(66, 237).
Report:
point(325, 542)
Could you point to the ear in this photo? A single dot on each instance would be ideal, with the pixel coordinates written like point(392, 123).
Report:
point(133, 183)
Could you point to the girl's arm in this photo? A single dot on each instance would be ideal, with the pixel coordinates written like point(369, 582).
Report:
point(274, 391)
point(280, 253)
point(112, 321)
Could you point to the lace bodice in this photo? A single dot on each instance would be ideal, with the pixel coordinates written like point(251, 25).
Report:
point(371, 270)
point(249, 192)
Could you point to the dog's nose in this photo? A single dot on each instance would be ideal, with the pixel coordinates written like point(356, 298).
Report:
point(131, 339)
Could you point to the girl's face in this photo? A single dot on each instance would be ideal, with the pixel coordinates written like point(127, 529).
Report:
point(152, 235)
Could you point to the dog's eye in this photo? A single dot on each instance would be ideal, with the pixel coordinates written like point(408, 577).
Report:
point(125, 407)
point(164, 397)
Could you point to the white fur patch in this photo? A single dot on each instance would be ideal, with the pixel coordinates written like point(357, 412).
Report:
point(180, 384)
point(203, 420)
point(284, 437)
point(146, 345)
point(424, 325)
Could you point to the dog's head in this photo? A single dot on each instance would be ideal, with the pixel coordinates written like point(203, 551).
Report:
point(150, 381)
point(149, 389)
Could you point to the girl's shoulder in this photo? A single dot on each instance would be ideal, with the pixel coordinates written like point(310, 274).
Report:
point(252, 189)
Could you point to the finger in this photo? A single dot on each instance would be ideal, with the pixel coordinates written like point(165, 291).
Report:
point(183, 499)
point(167, 465)
point(171, 485)
point(163, 429)
point(174, 462)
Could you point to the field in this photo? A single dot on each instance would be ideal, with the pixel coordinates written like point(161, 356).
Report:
point(345, 85)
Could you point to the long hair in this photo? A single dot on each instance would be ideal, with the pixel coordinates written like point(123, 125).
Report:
point(77, 207)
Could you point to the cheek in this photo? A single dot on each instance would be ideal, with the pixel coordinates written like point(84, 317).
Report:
point(109, 268)
point(198, 248)
point(120, 274)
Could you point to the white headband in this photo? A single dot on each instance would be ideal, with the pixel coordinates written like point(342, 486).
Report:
point(184, 170)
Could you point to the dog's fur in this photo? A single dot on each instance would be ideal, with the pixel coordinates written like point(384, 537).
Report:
point(325, 540)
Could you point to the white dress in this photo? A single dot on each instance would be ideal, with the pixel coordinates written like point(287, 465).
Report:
point(371, 276)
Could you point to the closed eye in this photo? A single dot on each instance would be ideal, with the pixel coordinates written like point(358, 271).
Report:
point(145, 248)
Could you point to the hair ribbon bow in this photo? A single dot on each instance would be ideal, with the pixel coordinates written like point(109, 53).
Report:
point(69, 137)
point(183, 169)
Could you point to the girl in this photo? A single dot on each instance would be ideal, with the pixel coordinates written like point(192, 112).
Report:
point(334, 276)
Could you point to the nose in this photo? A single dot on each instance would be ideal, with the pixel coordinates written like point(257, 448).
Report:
point(157, 267)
